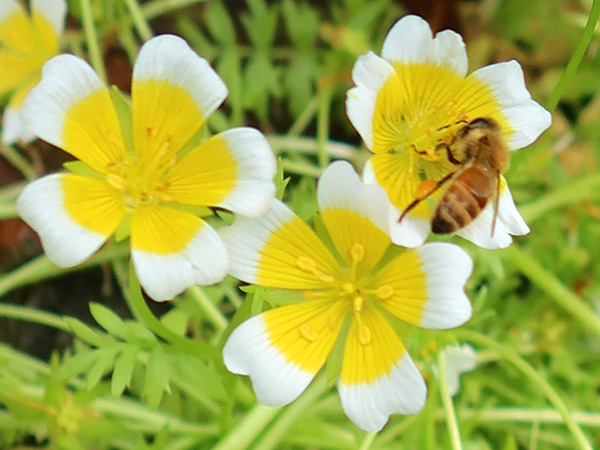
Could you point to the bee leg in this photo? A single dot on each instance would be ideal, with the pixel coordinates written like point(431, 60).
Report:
point(424, 191)
point(449, 154)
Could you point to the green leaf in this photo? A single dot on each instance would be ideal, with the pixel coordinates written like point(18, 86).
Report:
point(229, 67)
point(85, 333)
point(176, 320)
point(300, 83)
point(139, 334)
point(104, 361)
point(301, 24)
point(123, 370)
point(76, 365)
point(108, 320)
point(156, 380)
point(219, 23)
point(281, 181)
point(261, 80)
point(261, 24)
point(204, 377)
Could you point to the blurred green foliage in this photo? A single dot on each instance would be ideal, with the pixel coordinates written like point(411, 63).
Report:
point(136, 384)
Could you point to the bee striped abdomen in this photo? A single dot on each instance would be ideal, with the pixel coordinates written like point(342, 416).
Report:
point(463, 201)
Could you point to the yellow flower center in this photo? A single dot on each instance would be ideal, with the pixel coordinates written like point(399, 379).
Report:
point(144, 181)
point(352, 291)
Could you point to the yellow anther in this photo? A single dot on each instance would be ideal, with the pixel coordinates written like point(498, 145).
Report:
point(358, 253)
point(308, 333)
point(115, 181)
point(364, 335)
point(358, 303)
point(384, 292)
point(348, 288)
point(331, 323)
point(327, 279)
point(306, 264)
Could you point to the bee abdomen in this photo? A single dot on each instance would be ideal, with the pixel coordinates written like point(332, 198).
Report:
point(462, 203)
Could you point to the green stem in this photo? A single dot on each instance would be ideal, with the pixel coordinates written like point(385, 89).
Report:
point(578, 191)
point(33, 315)
point(578, 54)
point(247, 429)
point(17, 160)
point(368, 441)
point(523, 415)
point(300, 169)
point(323, 114)
point(157, 8)
point(91, 37)
point(137, 416)
point(8, 211)
point(309, 145)
point(304, 119)
point(209, 309)
point(273, 437)
point(553, 287)
point(41, 268)
point(537, 379)
point(139, 20)
point(11, 192)
point(140, 310)
point(447, 404)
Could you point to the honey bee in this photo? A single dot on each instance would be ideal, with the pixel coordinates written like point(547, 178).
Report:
point(483, 157)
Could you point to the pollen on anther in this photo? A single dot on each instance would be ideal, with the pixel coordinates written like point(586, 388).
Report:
point(364, 335)
point(384, 292)
point(306, 264)
point(308, 333)
point(358, 253)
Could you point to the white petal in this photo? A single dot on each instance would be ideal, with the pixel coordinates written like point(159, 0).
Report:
point(7, 7)
point(53, 11)
point(246, 238)
point(370, 405)
point(509, 215)
point(526, 117)
point(509, 222)
point(340, 187)
point(448, 50)
point(65, 242)
point(254, 189)
point(448, 267)
point(203, 261)
point(412, 231)
point(370, 73)
point(13, 128)
point(459, 359)
point(409, 40)
point(66, 80)
point(170, 58)
point(248, 351)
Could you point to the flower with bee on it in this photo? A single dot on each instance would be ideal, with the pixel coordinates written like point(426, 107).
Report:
point(411, 105)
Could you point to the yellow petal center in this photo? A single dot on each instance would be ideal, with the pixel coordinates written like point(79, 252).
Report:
point(349, 291)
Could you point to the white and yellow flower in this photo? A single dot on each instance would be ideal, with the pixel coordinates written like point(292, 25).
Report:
point(417, 96)
point(347, 294)
point(27, 41)
point(140, 180)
